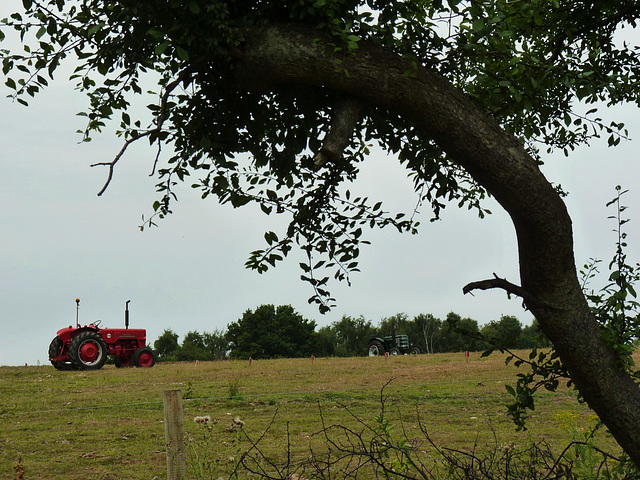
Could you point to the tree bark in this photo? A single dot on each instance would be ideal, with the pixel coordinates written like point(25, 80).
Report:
point(273, 57)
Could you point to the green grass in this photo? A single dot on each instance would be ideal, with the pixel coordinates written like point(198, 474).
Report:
point(108, 424)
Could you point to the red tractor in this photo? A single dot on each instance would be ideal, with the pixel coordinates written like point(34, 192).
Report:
point(87, 347)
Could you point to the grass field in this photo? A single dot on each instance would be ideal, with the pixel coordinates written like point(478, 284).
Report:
point(108, 424)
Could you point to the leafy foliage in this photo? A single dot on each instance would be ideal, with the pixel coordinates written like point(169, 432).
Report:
point(460, 334)
point(615, 306)
point(347, 337)
point(533, 66)
point(166, 344)
point(270, 332)
point(194, 346)
point(217, 344)
point(350, 336)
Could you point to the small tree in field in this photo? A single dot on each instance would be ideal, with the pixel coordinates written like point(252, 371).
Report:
point(193, 347)
point(429, 329)
point(166, 344)
point(352, 335)
point(216, 344)
point(270, 332)
point(459, 334)
point(505, 332)
point(277, 102)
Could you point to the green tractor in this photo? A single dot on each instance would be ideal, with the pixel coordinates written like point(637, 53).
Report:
point(392, 344)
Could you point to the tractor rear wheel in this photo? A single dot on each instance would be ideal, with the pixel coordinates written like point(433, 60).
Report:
point(376, 348)
point(144, 357)
point(55, 349)
point(87, 351)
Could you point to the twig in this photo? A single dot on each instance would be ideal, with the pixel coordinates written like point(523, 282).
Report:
point(162, 116)
point(112, 163)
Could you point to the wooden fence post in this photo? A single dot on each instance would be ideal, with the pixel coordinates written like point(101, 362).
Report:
point(174, 435)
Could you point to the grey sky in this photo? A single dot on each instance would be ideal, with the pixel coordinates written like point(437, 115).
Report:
point(60, 241)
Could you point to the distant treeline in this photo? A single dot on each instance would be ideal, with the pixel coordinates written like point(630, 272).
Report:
point(280, 332)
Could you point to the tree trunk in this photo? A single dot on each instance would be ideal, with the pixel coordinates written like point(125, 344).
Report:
point(272, 57)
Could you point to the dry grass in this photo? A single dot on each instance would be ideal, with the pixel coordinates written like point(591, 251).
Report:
point(107, 424)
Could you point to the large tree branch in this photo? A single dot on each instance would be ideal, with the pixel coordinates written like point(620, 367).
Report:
point(274, 57)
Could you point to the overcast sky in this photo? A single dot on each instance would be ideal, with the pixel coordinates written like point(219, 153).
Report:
point(59, 240)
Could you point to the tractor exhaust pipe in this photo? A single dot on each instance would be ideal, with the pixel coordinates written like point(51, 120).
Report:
point(77, 313)
point(126, 314)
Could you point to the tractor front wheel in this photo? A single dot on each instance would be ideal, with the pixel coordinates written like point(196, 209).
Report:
point(123, 361)
point(394, 351)
point(376, 348)
point(87, 351)
point(414, 351)
point(144, 357)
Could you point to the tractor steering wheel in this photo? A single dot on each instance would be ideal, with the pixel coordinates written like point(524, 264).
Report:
point(97, 323)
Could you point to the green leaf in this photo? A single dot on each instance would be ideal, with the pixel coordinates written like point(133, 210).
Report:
point(160, 49)
point(271, 238)
point(487, 352)
point(478, 25)
point(182, 53)
point(93, 29)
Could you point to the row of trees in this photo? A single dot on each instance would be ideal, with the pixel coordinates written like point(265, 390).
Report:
point(272, 332)
point(194, 346)
point(350, 336)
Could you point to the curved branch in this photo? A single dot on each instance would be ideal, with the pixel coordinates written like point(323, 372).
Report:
point(112, 163)
point(274, 57)
point(162, 116)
